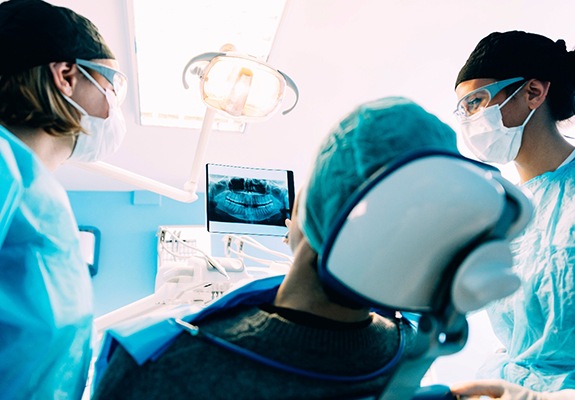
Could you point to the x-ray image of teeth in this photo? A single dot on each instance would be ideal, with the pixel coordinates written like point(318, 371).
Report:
point(247, 200)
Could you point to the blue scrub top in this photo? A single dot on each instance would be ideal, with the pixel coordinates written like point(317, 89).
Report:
point(45, 288)
point(536, 324)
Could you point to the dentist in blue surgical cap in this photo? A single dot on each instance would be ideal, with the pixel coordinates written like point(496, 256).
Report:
point(513, 91)
point(60, 92)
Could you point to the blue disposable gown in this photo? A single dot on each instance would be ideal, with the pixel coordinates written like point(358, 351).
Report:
point(45, 287)
point(537, 323)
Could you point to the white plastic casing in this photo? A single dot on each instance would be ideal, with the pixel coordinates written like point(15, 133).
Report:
point(393, 249)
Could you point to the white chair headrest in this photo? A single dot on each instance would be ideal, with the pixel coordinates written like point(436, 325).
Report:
point(432, 224)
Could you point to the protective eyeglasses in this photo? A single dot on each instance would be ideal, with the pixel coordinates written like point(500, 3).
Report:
point(478, 99)
point(240, 86)
point(116, 78)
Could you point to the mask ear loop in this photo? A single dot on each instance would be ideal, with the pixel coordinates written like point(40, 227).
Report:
point(514, 93)
point(75, 105)
point(509, 98)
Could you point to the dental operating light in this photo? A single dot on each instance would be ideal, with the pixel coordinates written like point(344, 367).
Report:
point(239, 86)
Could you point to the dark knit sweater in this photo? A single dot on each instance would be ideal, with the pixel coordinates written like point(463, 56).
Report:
point(193, 368)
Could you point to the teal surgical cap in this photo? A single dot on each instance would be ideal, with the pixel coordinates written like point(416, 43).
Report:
point(369, 138)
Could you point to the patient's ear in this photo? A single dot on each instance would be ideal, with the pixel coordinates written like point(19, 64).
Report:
point(295, 234)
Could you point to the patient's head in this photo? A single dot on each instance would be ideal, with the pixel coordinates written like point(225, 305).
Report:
point(367, 139)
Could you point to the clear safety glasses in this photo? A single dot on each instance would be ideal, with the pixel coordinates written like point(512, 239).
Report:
point(238, 85)
point(478, 99)
point(116, 78)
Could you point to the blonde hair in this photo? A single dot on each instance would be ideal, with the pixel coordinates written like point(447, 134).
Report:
point(31, 99)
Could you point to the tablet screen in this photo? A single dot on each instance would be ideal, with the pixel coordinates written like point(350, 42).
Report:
point(244, 200)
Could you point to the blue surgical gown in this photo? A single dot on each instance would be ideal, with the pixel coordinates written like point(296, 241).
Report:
point(537, 323)
point(45, 287)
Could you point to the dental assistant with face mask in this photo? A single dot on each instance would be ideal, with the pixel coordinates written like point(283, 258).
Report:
point(513, 90)
point(60, 91)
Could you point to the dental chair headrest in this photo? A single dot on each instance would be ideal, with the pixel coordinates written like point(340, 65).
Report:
point(430, 229)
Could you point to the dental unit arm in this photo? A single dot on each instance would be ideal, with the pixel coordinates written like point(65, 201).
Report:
point(444, 239)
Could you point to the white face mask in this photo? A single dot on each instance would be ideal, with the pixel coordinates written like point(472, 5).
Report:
point(104, 135)
point(486, 136)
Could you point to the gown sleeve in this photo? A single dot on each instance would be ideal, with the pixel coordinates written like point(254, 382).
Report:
point(11, 187)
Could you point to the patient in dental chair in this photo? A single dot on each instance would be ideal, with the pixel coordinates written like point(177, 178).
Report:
point(325, 347)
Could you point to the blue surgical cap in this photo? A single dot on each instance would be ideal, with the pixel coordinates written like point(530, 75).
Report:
point(369, 138)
